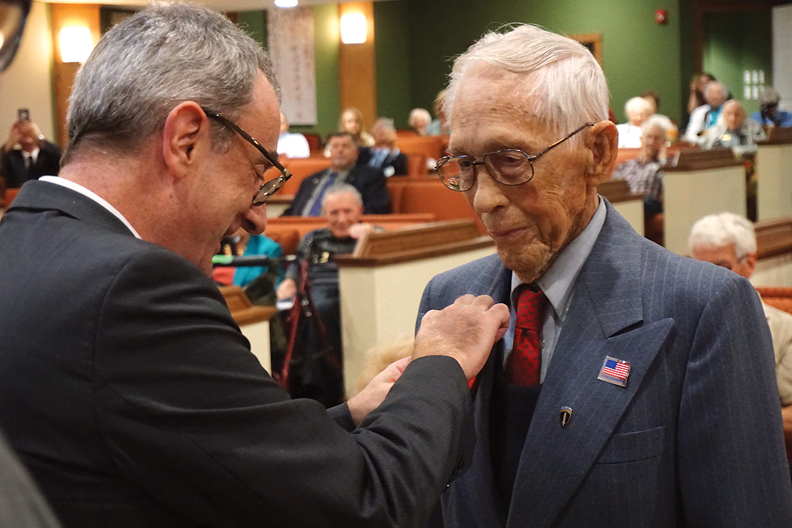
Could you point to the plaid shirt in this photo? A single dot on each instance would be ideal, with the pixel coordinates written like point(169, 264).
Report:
point(644, 178)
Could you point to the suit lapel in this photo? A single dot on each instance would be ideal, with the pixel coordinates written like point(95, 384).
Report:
point(604, 319)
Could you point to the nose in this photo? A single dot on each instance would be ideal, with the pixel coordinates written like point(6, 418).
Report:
point(486, 195)
point(255, 219)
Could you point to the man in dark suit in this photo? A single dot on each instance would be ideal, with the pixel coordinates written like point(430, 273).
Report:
point(634, 387)
point(125, 385)
point(343, 169)
point(384, 154)
point(35, 157)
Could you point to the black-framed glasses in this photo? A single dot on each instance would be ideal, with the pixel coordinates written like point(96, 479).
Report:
point(266, 189)
point(506, 166)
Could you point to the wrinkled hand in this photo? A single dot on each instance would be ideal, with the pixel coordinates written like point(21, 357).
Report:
point(286, 290)
point(465, 331)
point(358, 231)
point(374, 393)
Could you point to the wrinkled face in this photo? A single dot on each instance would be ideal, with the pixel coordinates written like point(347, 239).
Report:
point(725, 257)
point(342, 211)
point(419, 122)
point(349, 123)
point(343, 152)
point(715, 97)
point(734, 115)
point(653, 140)
point(533, 222)
point(224, 186)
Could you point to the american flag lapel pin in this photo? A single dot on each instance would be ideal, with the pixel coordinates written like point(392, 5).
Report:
point(615, 371)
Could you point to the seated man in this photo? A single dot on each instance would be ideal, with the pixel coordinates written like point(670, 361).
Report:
point(729, 241)
point(769, 114)
point(644, 174)
point(342, 209)
point(706, 116)
point(384, 155)
point(34, 158)
point(368, 181)
point(291, 145)
point(734, 131)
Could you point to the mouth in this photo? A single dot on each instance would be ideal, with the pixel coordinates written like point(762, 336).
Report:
point(505, 235)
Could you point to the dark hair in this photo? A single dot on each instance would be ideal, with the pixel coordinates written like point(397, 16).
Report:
point(349, 135)
point(654, 95)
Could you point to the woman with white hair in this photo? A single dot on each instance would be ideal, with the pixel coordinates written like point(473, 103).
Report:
point(419, 120)
point(638, 111)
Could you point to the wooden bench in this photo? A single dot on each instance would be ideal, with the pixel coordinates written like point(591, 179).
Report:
point(429, 195)
point(774, 253)
point(430, 146)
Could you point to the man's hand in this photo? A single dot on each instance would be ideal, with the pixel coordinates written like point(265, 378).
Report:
point(358, 231)
point(286, 290)
point(465, 331)
point(374, 393)
point(14, 137)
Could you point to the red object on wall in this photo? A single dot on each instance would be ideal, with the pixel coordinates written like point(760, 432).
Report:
point(661, 16)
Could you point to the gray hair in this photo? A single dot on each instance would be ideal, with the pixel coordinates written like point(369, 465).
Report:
point(724, 229)
point(148, 64)
point(715, 85)
point(569, 87)
point(654, 121)
point(342, 188)
point(384, 122)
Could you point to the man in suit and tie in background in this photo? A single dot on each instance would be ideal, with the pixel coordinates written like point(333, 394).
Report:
point(384, 155)
point(634, 387)
point(343, 169)
point(126, 387)
point(26, 154)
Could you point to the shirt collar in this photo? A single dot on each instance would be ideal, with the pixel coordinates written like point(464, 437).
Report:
point(557, 281)
point(92, 195)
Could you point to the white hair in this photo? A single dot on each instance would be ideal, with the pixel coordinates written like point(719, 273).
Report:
point(419, 112)
point(724, 229)
point(342, 188)
point(568, 86)
point(637, 104)
point(715, 85)
point(655, 121)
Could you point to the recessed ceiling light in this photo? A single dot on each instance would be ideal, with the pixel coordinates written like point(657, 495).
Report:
point(285, 3)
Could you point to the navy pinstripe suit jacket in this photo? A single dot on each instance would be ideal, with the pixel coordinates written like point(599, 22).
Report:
point(694, 439)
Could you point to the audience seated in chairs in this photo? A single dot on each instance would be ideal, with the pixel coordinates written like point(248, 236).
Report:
point(638, 111)
point(729, 241)
point(384, 155)
point(706, 116)
point(419, 120)
point(291, 145)
point(342, 209)
point(769, 114)
point(439, 125)
point(734, 131)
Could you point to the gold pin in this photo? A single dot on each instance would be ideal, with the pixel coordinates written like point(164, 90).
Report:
point(566, 415)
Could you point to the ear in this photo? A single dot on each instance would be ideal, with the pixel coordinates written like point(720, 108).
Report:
point(602, 142)
point(750, 262)
point(185, 133)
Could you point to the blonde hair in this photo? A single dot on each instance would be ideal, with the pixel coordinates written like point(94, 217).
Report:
point(380, 356)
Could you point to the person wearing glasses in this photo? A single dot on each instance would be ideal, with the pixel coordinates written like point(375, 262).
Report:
point(729, 241)
point(125, 384)
point(634, 387)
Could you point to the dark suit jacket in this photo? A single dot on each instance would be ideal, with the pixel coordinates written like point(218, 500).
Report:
point(12, 165)
point(134, 400)
point(694, 439)
point(369, 181)
point(397, 161)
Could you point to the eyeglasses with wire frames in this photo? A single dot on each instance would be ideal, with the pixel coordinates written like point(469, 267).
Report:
point(506, 166)
point(266, 189)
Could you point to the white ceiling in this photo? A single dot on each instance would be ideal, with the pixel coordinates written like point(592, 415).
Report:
point(221, 5)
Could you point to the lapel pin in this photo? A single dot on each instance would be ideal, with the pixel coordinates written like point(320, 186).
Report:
point(566, 415)
point(615, 371)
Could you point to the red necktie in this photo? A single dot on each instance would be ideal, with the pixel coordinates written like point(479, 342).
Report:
point(524, 366)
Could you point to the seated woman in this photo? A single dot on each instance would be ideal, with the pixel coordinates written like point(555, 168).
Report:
point(638, 111)
point(419, 120)
point(644, 174)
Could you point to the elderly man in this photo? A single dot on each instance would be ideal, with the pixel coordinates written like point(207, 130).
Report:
point(384, 155)
point(706, 116)
point(734, 131)
point(729, 241)
point(342, 208)
point(644, 174)
point(125, 384)
point(634, 387)
point(343, 169)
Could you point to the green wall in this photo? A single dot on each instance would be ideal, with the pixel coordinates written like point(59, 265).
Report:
point(392, 54)
point(627, 26)
point(736, 42)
